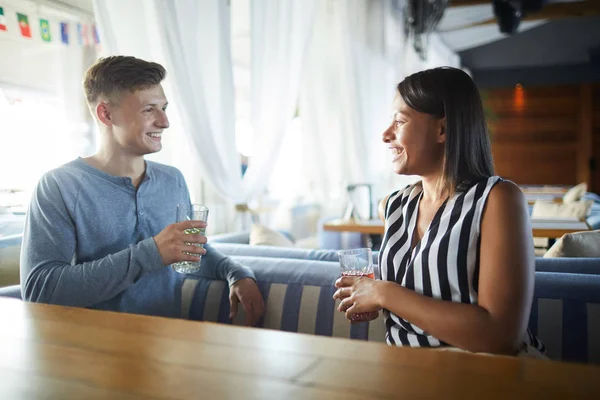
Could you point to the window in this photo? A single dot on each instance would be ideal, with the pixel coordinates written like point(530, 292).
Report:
point(36, 137)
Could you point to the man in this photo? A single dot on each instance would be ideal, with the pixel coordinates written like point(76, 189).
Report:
point(100, 230)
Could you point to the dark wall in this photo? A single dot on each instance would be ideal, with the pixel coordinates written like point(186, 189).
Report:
point(559, 75)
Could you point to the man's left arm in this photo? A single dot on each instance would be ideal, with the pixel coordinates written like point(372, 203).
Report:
point(241, 280)
point(218, 266)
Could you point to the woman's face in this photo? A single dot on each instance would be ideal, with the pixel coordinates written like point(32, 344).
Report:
point(415, 139)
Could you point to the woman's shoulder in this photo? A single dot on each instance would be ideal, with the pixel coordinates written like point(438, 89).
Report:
point(405, 191)
point(505, 197)
point(392, 197)
point(505, 190)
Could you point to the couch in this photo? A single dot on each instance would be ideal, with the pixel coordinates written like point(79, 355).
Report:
point(298, 293)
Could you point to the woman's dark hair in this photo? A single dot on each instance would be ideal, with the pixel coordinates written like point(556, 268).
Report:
point(451, 93)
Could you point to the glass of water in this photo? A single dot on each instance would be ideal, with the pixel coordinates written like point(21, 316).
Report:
point(194, 212)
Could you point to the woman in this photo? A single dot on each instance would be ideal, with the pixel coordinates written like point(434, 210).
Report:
point(457, 258)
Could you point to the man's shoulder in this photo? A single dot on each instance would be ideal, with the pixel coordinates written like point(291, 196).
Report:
point(63, 181)
point(166, 171)
point(66, 172)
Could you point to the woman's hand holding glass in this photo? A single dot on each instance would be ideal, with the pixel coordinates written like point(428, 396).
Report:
point(358, 295)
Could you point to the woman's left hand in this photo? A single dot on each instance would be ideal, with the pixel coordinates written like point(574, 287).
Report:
point(358, 295)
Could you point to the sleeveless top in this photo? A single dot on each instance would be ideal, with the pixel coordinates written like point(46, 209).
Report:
point(444, 264)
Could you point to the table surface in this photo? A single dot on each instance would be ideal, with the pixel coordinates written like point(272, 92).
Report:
point(55, 352)
point(545, 228)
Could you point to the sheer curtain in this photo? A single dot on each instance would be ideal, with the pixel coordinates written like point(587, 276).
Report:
point(280, 31)
point(356, 58)
point(346, 96)
point(192, 39)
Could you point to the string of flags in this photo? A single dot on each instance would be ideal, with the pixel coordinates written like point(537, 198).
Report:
point(82, 30)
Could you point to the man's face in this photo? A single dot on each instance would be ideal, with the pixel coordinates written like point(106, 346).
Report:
point(139, 120)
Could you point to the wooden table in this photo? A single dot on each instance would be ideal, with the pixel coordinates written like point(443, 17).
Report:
point(546, 229)
point(371, 227)
point(554, 229)
point(54, 352)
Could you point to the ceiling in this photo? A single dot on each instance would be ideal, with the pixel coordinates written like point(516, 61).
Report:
point(562, 33)
point(461, 39)
point(560, 42)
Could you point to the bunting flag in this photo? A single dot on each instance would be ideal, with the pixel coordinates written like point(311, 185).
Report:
point(24, 25)
point(96, 36)
point(80, 34)
point(64, 32)
point(45, 30)
point(85, 34)
point(2, 20)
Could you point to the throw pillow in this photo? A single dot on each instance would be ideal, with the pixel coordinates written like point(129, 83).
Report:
point(579, 244)
point(547, 209)
point(575, 193)
point(260, 235)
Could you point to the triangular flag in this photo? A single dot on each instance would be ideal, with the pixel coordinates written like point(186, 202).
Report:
point(64, 32)
point(24, 25)
point(45, 30)
point(2, 20)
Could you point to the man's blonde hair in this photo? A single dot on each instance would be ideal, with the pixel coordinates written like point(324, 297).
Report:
point(110, 76)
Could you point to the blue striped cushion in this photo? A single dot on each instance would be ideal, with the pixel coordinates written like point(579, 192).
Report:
point(565, 315)
point(297, 299)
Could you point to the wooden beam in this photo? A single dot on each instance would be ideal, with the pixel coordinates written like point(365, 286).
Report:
point(551, 11)
point(585, 135)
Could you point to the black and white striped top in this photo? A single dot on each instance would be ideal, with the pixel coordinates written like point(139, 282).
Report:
point(444, 264)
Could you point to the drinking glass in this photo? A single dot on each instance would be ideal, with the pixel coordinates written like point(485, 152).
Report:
point(195, 212)
point(358, 262)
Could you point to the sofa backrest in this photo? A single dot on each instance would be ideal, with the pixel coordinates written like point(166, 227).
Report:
point(233, 249)
point(10, 254)
point(241, 237)
point(568, 265)
point(298, 297)
point(298, 294)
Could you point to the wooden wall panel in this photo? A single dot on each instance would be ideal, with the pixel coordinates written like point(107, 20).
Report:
point(538, 100)
point(536, 133)
point(596, 137)
point(586, 140)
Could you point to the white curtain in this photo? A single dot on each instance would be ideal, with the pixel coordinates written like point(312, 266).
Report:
point(192, 40)
point(346, 96)
point(356, 58)
point(280, 30)
point(196, 39)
